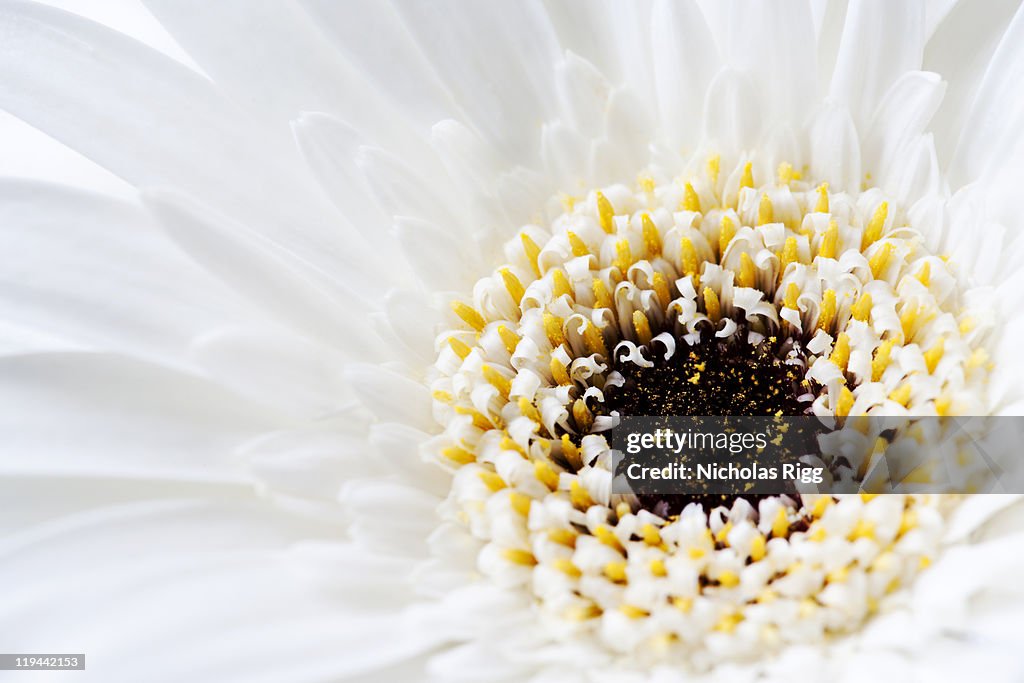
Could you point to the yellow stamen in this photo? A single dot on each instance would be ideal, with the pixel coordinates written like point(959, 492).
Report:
point(873, 231)
point(765, 211)
point(658, 568)
point(841, 351)
point(560, 283)
point(469, 315)
point(688, 256)
point(786, 173)
point(862, 309)
point(579, 496)
point(881, 360)
point(584, 418)
point(442, 396)
point(559, 372)
point(571, 452)
point(458, 455)
point(492, 480)
point(714, 166)
point(691, 202)
point(829, 241)
point(460, 348)
point(602, 297)
point(711, 305)
point(545, 474)
point(608, 537)
point(579, 247)
point(633, 612)
point(532, 251)
point(792, 292)
point(780, 525)
point(908, 320)
point(747, 178)
point(480, 421)
point(682, 604)
point(660, 286)
point(747, 277)
point(820, 505)
point(862, 529)
point(615, 571)
point(652, 239)
point(828, 310)
point(528, 409)
point(758, 548)
point(726, 231)
point(845, 402)
point(650, 534)
point(524, 557)
point(605, 213)
point(729, 579)
point(566, 566)
point(553, 329)
point(880, 261)
point(565, 537)
point(933, 355)
point(497, 380)
point(822, 205)
point(790, 254)
point(623, 256)
point(943, 404)
point(512, 284)
point(642, 327)
point(509, 338)
point(924, 276)
point(901, 394)
point(593, 340)
point(520, 503)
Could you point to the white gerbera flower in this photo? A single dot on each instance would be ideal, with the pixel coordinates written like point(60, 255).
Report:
point(327, 400)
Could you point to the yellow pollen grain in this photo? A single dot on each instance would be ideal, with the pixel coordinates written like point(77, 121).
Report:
point(608, 537)
point(553, 329)
point(758, 548)
point(828, 310)
point(512, 284)
point(792, 292)
point(460, 348)
point(532, 252)
point(873, 231)
point(747, 277)
point(660, 286)
point(584, 418)
point(765, 210)
point(593, 340)
point(652, 238)
point(924, 562)
point(578, 246)
point(623, 256)
point(517, 556)
point(747, 177)
point(605, 213)
point(688, 256)
point(901, 394)
point(560, 283)
point(559, 372)
point(571, 452)
point(520, 503)
point(615, 571)
point(726, 231)
point(924, 276)
point(602, 297)
point(861, 310)
point(780, 525)
point(528, 409)
point(492, 480)
point(497, 380)
point(822, 205)
point(881, 360)
point(469, 315)
point(658, 568)
point(566, 566)
point(841, 351)
point(509, 338)
point(458, 455)
point(845, 402)
point(712, 305)
point(691, 202)
point(579, 496)
point(545, 474)
point(566, 537)
point(933, 355)
point(830, 240)
point(880, 261)
point(642, 327)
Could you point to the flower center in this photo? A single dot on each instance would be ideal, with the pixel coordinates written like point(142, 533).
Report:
point(709, 295)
